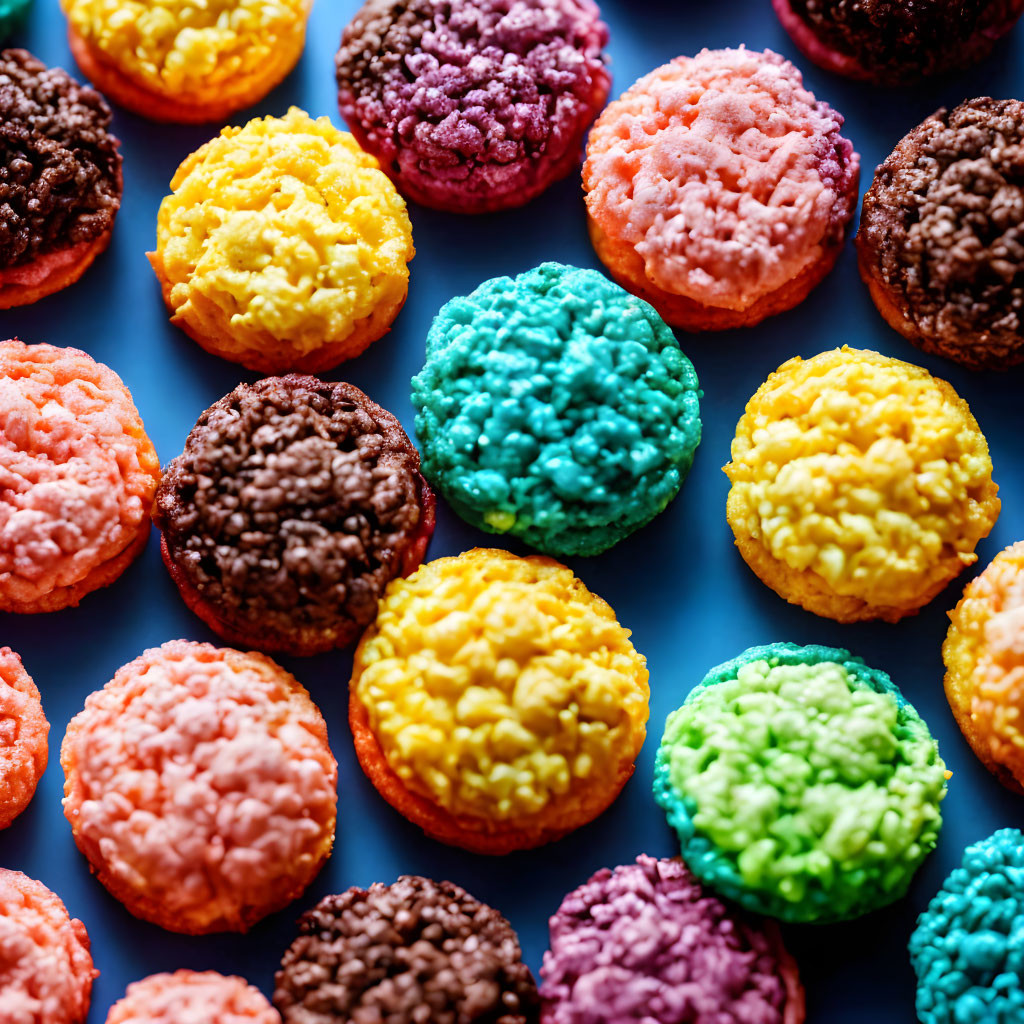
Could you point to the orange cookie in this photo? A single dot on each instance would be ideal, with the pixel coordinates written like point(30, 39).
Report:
point(23, 735)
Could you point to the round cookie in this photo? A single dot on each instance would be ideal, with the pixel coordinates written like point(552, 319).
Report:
point(965, 949)
point(896, 43)
point(282, 246)
point(200, 786)
point(695, 204)
point(475, 106)
point(801, 784)
point(23, 737)
point(292, 506)
point(77, 477)
point(392, 952)
point(47, 971)
point(556, 407)
point(60, 172)
point(984, 657)
point(647, 943)
point(12, 15)
point(187, 997)
point(861, 485)
point(941, 239)
point(178, 60)
point(496, 702)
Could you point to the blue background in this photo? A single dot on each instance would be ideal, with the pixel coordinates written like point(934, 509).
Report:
point(679, 584)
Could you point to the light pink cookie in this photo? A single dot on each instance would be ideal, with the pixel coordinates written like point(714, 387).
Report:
point(192, 997)
point(23, 737)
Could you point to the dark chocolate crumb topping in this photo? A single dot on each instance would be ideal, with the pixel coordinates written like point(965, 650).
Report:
point(415, 952)
point(60, 170)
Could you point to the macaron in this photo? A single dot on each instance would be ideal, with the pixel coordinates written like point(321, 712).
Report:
point(187, 997)
point(477, 105)
point(496, 702)
point(176, 60)
point(861, 485)
point(292, 506)
point(941, 239)
point(23, 737)
point(282, 246)
point(200, 787)
point(404, 953)
point(77, 477)
point(62, 182)
point(801, 784)
point(719, 189)
point(12, 15)
point(556, 407)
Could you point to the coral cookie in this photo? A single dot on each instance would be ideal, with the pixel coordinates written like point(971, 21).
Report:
point(60, 178)
point(397, 953)
point(477, 105)
point(719, 189)
point(293, 505)
point(646, 943)
point(282, 246)
point(496, 702)
point(200, 786)
point(984, 656)
point(861, 485)
point(801, 784)
point(966, 947)
point(12, 14)
point(179, 60)
point(941, 240)
point(556, 407)
point(77, 477)
point(46, 971)
point(23, 737)
point(189, 997)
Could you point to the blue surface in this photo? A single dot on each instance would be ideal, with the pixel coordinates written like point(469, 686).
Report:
point(679, 583)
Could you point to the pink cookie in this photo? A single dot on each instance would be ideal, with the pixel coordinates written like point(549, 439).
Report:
point(192, 997)
point(46, 971)
point(719, 189)
point(200, 786)
point(23, 737)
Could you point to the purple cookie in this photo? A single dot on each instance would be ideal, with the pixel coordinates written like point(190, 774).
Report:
point(646, 943)
point(476, 105)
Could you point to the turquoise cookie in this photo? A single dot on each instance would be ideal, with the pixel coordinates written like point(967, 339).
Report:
point(801, 784)
point(968, 947)
point(12, 14)
point(556, 407)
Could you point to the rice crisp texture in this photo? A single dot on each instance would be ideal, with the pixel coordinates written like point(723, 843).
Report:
point(46, 971)
point(556, 407)
point(965, 949)
point(801, 784)
point(200, 785)
point(500, 688)
point(23, 737)
point(192, 997)
point(724, 173)
point(282, 232)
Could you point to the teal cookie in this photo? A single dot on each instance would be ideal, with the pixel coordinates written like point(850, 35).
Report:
point(556, 407)
point(801, 783)
point(12, 14)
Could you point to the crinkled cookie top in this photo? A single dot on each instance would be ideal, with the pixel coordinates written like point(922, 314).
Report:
point(944, 226)
point(966, 947)
point(77, 471)
point(390, 952)
point(646, 941)
point(24, 732)
point(724, 174)
point(500, 687)
point(801, 784)
point(556, 407)
point(60, 169)
point(866, 470)
point(283, 229)
point(192, 997)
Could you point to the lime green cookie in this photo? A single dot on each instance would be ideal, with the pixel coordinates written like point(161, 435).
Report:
point(801, 783)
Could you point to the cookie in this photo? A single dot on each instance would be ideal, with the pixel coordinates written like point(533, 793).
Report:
point(186, 997)
point(861, 485)
point(292, 506)
point(23, 737)
point(496, 702)
point(801, 784)
point(719, 189)
point(282, 246)
point(200, 787)
point(556, 407)
point(77, 477)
